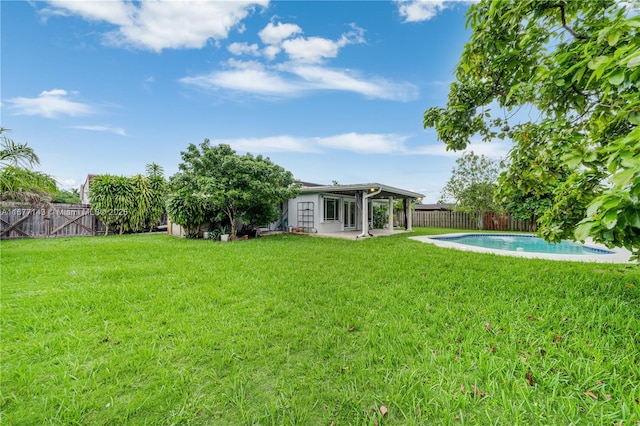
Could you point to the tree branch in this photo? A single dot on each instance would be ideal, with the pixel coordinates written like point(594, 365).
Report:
point(563, 17)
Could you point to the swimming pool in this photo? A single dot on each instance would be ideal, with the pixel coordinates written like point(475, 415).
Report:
point(529, 246)
point(523, 243)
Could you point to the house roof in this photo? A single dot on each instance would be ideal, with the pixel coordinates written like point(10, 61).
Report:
point(432, 207)
point(386, 190)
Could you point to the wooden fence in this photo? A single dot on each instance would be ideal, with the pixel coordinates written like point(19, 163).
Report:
point(57, 220)
point(461, 220)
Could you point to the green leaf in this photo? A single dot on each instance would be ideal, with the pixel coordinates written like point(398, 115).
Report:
point(610, 219)
point(634, 219)
point(617, 77)
point(613, 38)
point(572, 160)
point(633, 22)
point(596, 62)
point(593, 208)
point(633, 62)
point(623, 178)
point(583, 230)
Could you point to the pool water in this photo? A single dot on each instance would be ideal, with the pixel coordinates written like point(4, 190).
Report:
point(522, 243)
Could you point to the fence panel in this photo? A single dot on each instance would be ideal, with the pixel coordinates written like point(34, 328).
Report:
point(461, 220)
point(57, 220)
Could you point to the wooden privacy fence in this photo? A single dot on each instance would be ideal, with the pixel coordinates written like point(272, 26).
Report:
point(56, 220)
point(461, 220)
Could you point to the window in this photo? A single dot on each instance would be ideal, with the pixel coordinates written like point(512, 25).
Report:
point(330, 209)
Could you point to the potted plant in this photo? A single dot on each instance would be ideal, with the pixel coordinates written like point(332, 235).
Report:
point(224, 235)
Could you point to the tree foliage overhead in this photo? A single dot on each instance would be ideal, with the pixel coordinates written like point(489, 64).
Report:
point(471, 186)
point(526, 187)
point(575, 67)
point(214, 180)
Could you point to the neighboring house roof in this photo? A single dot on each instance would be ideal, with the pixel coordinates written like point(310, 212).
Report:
point(432, 207)
point(386, 190)
point(308, 184)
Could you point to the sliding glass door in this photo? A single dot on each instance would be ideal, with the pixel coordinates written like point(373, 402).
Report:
point(349, 212)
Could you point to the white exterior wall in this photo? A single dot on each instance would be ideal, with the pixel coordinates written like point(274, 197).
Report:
point(319, 224)
point(293, 209)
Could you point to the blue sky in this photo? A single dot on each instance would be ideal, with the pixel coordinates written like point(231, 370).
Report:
point(328, 90)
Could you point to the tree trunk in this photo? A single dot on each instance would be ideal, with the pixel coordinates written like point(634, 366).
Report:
point(233, 224)
point(480, 220)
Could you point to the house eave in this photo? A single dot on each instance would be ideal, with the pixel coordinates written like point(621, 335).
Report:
point(386, 191)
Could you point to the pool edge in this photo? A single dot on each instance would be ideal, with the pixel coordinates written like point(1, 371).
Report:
point(620, 255)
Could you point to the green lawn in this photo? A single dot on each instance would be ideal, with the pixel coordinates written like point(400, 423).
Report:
point(290, 329)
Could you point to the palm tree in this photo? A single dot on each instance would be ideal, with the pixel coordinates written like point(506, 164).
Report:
point(15, 154)
point(17, 181)
point(154, 170)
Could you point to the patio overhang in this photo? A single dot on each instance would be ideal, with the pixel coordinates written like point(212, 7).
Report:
point(365, 194)
point(385, 191)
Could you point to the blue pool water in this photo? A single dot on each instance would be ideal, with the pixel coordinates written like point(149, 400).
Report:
point(522, 243)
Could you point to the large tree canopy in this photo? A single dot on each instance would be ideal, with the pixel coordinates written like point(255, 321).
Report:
point(572, 69)
point(216, 179)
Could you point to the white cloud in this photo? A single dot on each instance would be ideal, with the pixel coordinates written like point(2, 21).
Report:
point(286, 80)
point(310, 50)
point(243, 48)
point(313, 50)
point(248, 77)
point(361, 143)
point(97, 128)
point(495, 149)
point(50, 104)
point(271, 144)
point(270, 52)
point(113, 12)
point(161, 24)
point(371, 143)
point(69, 183)
point(275, 34)
point(303, 73)
point(322, 78)
point(423, 10)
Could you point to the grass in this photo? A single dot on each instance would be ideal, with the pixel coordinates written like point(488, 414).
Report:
point(289, 329)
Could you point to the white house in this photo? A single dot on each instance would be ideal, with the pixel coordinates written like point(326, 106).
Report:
point(84, 189)
point(340, 208)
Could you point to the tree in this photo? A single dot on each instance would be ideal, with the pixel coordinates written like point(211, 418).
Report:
point(113, 201)
point(472, 185)
point(526, 187)
point(15, 154)
point(575, 65)
point(67, 197)
point(189, 209)
point(129, 203)
point(214, 179)
point(158, 195)
point(18, 182)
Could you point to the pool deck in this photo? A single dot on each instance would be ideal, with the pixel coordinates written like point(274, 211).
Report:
point(620, 255)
